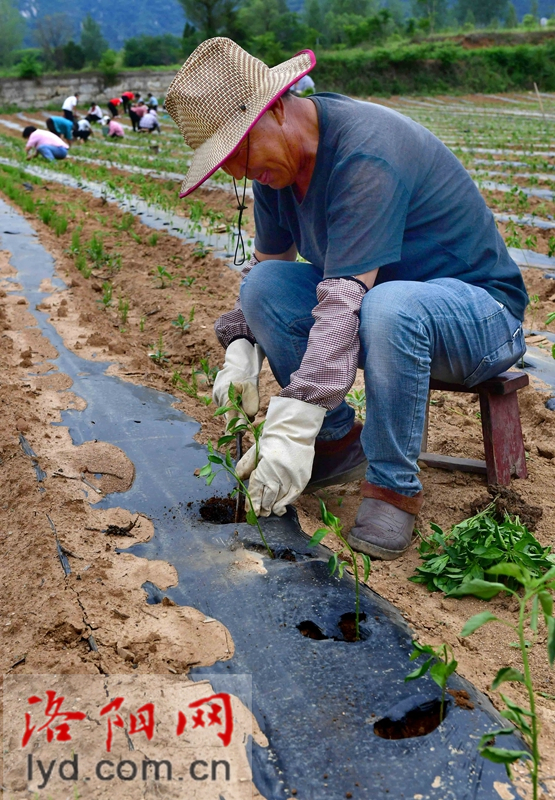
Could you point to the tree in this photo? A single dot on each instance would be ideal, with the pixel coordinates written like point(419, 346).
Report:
point(12, 28)
point(152, 50)
point(209, 17)
point(433, 10)
point(511, 19)
point(92, 41)
point(52, 32)
point(534, 9)
point(483, 12)
point(74, 56)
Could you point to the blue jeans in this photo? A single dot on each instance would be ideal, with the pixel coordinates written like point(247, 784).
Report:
point(409, 331)
point(51, 152)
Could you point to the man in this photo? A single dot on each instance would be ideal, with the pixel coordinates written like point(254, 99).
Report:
point(61, 127)
point(69, 106)
point(127, 99)
point(151, 101)
point(94, 114)
point(407, 278)
point(113, 106)
point(136, 112)
point(83, 130)
point(44, 143)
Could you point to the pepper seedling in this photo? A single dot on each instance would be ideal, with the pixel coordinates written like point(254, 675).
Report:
point(238, 423)
point(535, 599)
point(334, 526)
point(441, 664)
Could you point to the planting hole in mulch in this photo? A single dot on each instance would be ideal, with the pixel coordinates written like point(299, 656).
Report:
point(311, 630)
point(417, 721)
point(220, 510)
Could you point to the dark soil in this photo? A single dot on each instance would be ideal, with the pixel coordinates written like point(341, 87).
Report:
point(311, 630)
point(347, 626)
point(507, 501)
point(418, 722)
point(221, 511)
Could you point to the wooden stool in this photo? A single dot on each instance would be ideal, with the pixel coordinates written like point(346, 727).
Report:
point(503, 443)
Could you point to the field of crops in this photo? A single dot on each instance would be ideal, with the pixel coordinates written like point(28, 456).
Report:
point(141, 277)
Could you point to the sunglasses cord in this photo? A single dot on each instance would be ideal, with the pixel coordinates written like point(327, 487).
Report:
point(241, 207)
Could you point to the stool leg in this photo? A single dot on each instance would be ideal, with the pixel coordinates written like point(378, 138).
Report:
point(503, 443)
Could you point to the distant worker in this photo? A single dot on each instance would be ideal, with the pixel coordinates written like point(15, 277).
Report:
point(127, 98)
point(44, 143)
point(83, 130)
point(113, 106)
point(151, 101)
point(69, 106)
point(136, 113)
point(94, 114)
point(61, 127)
point(149, 122)
point(115, 129)
point(304, 87)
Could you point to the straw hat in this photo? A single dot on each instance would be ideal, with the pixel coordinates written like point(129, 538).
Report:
point(219, 94)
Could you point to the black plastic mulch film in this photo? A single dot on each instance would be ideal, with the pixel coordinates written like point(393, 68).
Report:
point(316, 700)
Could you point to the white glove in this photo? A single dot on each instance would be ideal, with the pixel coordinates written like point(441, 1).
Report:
point(242, 365)
point(286, 453)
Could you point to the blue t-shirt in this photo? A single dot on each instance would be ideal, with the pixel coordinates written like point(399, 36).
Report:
point(63, 127)
point(387, 193)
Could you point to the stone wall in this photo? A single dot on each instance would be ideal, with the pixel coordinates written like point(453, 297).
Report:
point(53, 89)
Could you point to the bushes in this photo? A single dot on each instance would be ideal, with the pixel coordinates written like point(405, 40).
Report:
point(436, 67)
point(145, 50)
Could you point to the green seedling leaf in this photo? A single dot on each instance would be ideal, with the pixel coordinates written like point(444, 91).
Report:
point(341, 568)
point(206, 470)
point(518, 720)
point(317, 537)
point(421, 649)
point(483, 589)
point(251, 517)
point(476, 622)
point(228, 460)
point(418, 673)
point(222, 410)
point(489, 738)
point(501, 756)
point(507, 674)
point(332, 563)
point(515, 707)
point(226, 439)
point(440, 672)
point(216, 459)
point(210, 478)
point(546, 601)
point(367, 565)
point(551, 640)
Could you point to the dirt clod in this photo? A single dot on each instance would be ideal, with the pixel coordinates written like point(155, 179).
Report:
point(508, 501)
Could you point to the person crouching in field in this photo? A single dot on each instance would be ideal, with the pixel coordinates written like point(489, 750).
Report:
point(115, 129)
point(61, 127)
point(45, 143)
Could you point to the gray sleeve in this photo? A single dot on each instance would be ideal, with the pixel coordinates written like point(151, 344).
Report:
point(233, 325)
point(329, 365)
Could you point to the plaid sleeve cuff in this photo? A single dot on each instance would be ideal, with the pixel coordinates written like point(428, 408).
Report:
point(233, 325)
point(329, 366)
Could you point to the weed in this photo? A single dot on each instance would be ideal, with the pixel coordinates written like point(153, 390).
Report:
point(142, 324)
point(107, 291)
point(209, 373)
point(474, 546)
point(533, 306)
point(238, 424)
point(182, 323)
point(551, 246)
point(75, 247)
point(163, 275)
point(96, 252)
point(534, 596)
point(357, 399)
point(200, 251)
point(135, 236)
point(157, 353)
point(82, 266)
point(190, 389)
point(187, 281)
point(126, 223)
point(153, 239)
point(123, 308)
point(59, 223)
point(334, 526)
point(441, 663)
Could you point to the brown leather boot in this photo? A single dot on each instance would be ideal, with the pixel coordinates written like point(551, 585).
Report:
point(385, 522)
point(339, 461)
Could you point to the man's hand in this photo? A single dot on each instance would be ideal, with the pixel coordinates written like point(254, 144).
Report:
point(286, 453)
point(241, 368)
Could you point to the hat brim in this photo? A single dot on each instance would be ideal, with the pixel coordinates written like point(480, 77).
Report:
point(212, 153)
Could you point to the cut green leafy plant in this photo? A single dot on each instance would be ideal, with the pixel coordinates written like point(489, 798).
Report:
point(238, 424)
point(534, 596)
point(335, 562)
point(440, 663)
point(475, 545)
